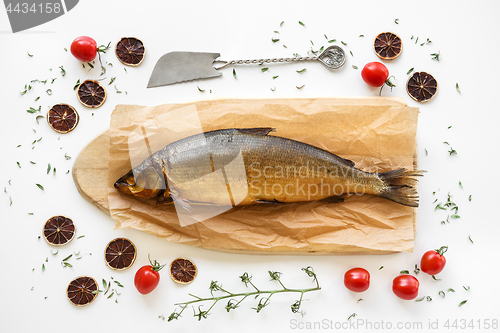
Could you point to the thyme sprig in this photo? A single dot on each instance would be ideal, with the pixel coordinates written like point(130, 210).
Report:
point(235, 299)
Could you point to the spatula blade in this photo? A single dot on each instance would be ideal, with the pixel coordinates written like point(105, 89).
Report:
point(174, 67)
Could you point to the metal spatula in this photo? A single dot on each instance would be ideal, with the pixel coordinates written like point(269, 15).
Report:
point(174, 67)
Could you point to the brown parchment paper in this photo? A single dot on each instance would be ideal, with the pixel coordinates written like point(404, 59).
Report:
point(378, 134)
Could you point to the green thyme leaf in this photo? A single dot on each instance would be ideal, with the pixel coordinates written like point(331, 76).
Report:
point(48, 168)
point(462, 303)
point(40, 187)
point(466, 288)
point(380, 267)
point(77, 84)
point(63, 72)
point(234, 73)
point(405, 272)
point(396, 21)
point(420, 299)
point(351, 316)
point(275, 77)
point(302, 24)
point(354, 66)
point(302, 86)
point(435, 56)
point(199, 89)
point(301, 71)
point(274, 40)
point(410, 70)
point(458, 88)
point(265, 69)
point(442, 294)
point(343, 43)
point(332, 41)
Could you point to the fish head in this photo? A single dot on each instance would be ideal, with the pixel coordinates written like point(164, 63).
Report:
point(147, 183)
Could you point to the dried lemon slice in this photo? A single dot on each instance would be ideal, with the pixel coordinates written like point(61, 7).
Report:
point(130, 51)
point(183, 270)
point(388, 45)
point(82, 290)
point(120, 253)
point(421, 86)
point(63, 118)
point(59, 230)
point(91, 94)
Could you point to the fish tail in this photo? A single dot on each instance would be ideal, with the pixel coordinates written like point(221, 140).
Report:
point(401, 186)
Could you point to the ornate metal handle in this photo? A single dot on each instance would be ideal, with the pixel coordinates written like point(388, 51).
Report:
point(262, 61)
point(332, 57)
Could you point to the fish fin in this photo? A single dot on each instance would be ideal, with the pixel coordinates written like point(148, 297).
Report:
point(181, 202)
point(351, 163)
point(336, 198)
point(267, 201)
point(258, 130)
point(401, 186)
point(164, 199)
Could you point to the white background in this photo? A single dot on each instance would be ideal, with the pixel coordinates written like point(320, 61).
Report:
point(464, 32)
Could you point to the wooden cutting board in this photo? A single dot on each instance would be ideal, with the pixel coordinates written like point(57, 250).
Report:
point(90, 170)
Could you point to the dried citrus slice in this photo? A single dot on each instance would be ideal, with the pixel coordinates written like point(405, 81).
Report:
point(130, 51)
point(183, 270)
point(120, 253)
point(63, 118)
point(387, 45)
point(421, 86)
point(59, 230)
point(82, 290)
point(91, 94)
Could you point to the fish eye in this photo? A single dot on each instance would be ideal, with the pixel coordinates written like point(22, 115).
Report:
point(131, 180)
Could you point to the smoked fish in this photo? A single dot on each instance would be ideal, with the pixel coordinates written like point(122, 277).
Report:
point(249, 166)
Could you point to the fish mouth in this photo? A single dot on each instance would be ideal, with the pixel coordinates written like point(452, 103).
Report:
point(146, 185)
point(126, 183)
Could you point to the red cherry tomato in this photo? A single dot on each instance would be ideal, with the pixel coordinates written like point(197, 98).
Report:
point(375, 74)
point(147, 277)
point(405, 287)
point(84, 48)
point(433, 261)
point(357, 279)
